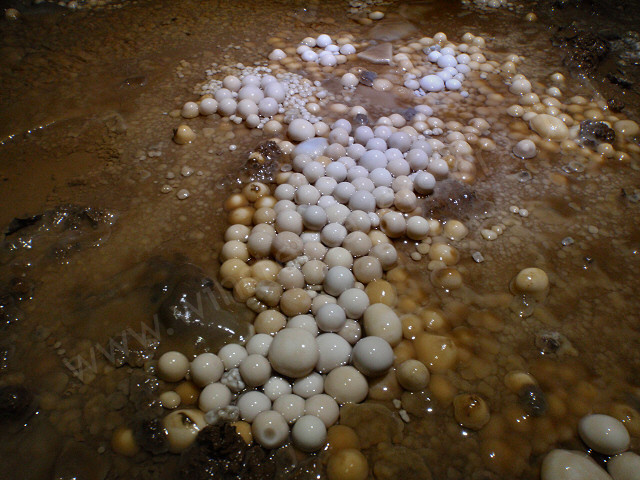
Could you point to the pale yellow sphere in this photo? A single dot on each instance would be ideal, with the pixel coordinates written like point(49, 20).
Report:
point(184, 135)
point(234, 201)
point(124, 443)
point(413, 375)
point(347, 464)
point(455, 230)
point(265, 270)
point(295, 301)
point(341, 436)
point(234, 249)
point(233, 270)
point(254, 190)
point(471, 411)
point(532, 280)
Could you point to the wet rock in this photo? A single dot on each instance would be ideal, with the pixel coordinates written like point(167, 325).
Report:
point(533, 400)
point(389, 30)
point(134, 82)
point(592, 132)
point(585, 50)
point(386, 465)
point(366, 78)
point(619, 77)
point(10, 313)
point(262, 164)
point(60, 232)
point(289, 466)
point(453, 199)
point(201, 313)
point(126, 349)
point(408, 113)
point(17, 403)
point(151, 435)
point(372, 422)
point(143, 391)
point(378, 54)
point(19, 223)
point(615, 104)
point(220, 453)
point(361, 119)
point(553, 343)
point(79, 462)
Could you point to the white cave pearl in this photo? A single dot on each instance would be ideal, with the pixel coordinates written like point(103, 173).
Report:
point(381, 321)
point(432, 83)
point(309, 386)
point(331, 318)
point(293, 352)
point(259, 344)
point(291, 406)
point(255, 370)
point(324, 407)
point(309, 433)
point(569, 465)
point(300, 130)
point(334, 351)
point(337, 280)
point(275, 387)
point(346, 385)
point(214, 397)
point(206, 368)
point(270, 429)
point(173, 366)
point(251, 404)
point(373, 356)
point(604, 434)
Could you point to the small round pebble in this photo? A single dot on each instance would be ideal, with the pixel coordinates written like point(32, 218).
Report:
point(604, 434)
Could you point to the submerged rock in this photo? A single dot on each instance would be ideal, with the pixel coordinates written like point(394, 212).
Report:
point(592, 132)
point(387, 466)
point(392, 29)
point(16, 403)
point(568, 465)
point(59, 232)
point(372, 422)
point(219, 452)
point(201, 313)
point(378, 54)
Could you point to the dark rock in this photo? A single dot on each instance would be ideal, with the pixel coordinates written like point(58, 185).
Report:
point(151, 435)
point(620, 78)
point(10, 313)
point(592, 132)
point(533, 400)
point(367, 77)
point(262, 164)
point(585, 49)
point(202, 313)
point(16, 403)
point(220, 453)
point(19, 223)
point(409, 113)
point(361, 119)
point(615, 104)
point(59, 232)
point(453, 199)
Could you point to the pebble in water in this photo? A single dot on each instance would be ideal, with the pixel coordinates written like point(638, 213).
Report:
point(624, 466)
point(604, 434)
point(568, 465)
point(525, 149)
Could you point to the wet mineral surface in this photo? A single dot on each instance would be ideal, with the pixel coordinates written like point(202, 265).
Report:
point(113, 231)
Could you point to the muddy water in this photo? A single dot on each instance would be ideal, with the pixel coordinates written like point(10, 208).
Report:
point(86, 122)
